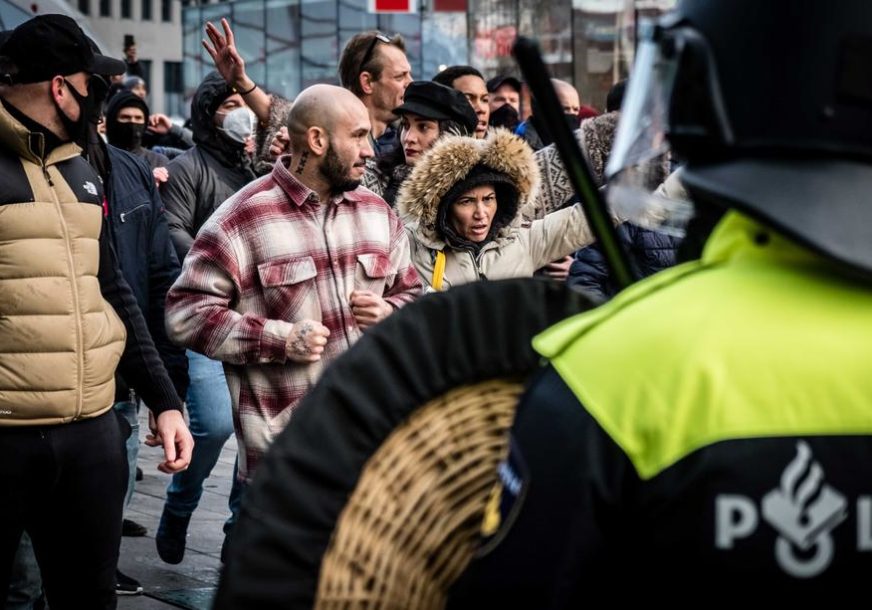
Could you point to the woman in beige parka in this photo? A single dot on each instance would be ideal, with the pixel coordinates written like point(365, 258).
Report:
point(461, 205)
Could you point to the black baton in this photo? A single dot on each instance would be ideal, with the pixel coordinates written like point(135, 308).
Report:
point(526, 51)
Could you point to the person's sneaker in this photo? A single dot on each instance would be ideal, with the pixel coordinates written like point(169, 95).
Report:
point(124, 585)
point(170, 537)
point(132, 529)
point(138, 475)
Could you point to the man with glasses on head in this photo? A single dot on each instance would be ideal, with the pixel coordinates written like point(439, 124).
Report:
point(63, 467)
point(374, 67)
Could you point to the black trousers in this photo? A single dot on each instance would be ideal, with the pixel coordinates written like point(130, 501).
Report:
point(65, 485)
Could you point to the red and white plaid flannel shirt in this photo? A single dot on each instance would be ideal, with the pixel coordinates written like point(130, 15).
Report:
point(269, 257)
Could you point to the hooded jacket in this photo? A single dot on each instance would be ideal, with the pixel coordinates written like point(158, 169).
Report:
point(205, 176)
point(120, 101)
point(513, 251)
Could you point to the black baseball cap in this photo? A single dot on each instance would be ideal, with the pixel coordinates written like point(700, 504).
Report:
point(51, 45)
point(438, 102)
point(498, 81)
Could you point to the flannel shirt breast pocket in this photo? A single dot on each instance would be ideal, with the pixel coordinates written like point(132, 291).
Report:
point(373, 272)
point(290, 289)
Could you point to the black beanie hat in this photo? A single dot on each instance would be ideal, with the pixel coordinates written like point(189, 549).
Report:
point(125, 99)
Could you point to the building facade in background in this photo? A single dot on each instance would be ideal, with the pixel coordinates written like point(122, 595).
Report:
point(154, 24)
point(291, 44)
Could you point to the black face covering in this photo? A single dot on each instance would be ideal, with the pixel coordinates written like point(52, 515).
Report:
point(505, 116)
point(93, 146)
point(573, 120)
point(125, 135)
point(76, 130)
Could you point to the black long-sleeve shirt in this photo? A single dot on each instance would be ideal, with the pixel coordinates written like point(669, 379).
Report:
point(140, 363)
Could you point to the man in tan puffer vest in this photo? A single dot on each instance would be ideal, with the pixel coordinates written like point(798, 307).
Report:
point(65, 314)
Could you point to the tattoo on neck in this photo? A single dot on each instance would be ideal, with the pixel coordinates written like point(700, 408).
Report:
point(304, 157)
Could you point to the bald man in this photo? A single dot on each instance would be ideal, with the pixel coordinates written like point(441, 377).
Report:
point(533, 130)
point(567, 96)
point(289, 272)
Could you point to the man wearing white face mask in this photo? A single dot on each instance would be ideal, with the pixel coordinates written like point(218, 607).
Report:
point(199, 181)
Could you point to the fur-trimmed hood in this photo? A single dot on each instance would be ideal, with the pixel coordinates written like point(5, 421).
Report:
point(449, 162)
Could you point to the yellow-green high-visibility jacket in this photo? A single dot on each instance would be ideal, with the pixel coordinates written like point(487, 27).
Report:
point(705, 434)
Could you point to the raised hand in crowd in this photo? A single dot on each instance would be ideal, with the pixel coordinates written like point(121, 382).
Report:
point(306, 342)
point(231, 66)
point(161, 175)
point(281, 143)
point(369, 308)
point(159, 123)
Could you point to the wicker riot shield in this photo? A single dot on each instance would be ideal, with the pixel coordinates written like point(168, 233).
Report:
point(373, 496)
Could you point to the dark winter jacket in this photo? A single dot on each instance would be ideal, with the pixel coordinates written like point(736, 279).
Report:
point(649, 253)
point(205, 176)
point(146, 254)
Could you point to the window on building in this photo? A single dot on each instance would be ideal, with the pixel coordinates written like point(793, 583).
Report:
point(283, 46)
point(145, 64)
point(146, 10)
point(173, 88)
point(85, 7)
point(105, 8)
point(318, 48)
point(127, 9)
point(166, 10)
point(249, 26)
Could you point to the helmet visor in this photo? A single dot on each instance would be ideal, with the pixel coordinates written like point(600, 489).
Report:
point(640, 159)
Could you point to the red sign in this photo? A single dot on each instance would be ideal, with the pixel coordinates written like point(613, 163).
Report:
point(391, 6)
point(449, 6)
point(495, 42)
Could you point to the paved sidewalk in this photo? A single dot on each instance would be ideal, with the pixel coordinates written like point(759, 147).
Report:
point(191, 583)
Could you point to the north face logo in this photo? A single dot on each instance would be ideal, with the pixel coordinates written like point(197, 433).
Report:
point(803, 509)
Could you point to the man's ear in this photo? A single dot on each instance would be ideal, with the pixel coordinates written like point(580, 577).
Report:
point(317, 140)
point(366, 81)
point(58, 88)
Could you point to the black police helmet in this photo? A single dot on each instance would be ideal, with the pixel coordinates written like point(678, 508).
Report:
point(771, 109)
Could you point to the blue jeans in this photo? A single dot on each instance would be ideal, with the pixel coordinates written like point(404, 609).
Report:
point(211, 423)
point(130, 411)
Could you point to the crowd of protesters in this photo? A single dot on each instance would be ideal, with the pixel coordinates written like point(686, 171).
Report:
point(225, 264)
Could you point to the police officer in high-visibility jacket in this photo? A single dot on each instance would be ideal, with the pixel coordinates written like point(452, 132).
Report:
point(708, 433)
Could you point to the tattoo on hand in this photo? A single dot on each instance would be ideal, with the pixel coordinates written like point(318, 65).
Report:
point(304, 157)
point(299, 344)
